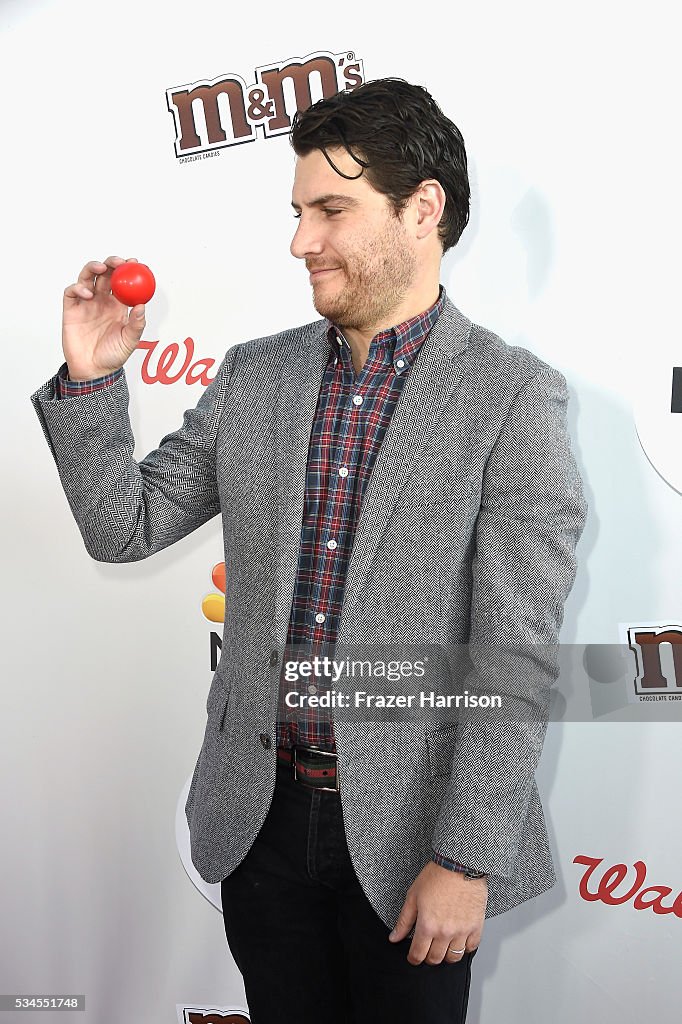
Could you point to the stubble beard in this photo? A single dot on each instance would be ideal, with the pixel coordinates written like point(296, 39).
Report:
point(383, 271)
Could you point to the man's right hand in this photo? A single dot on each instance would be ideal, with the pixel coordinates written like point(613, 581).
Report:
point(98, 334)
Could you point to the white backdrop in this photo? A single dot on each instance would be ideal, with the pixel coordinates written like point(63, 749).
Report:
point(570, 119)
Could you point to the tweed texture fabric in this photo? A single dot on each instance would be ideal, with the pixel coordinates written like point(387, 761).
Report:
point(467, 531)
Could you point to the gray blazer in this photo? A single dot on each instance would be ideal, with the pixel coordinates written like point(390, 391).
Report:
point(468, 528)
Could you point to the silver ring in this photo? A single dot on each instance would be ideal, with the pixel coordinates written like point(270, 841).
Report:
point(458, 951)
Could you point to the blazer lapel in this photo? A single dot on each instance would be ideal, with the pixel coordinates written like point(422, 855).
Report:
point(436, 372)
point(297, 400)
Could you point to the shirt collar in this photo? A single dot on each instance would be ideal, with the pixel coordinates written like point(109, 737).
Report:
point(403, 340)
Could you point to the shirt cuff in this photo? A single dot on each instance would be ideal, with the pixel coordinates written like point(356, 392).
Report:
point(445, 862)
point(68, 388)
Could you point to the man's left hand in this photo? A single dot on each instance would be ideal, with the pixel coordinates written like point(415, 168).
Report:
point(449, 910)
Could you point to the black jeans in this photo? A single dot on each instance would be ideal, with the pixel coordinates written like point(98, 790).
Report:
point(307, 941)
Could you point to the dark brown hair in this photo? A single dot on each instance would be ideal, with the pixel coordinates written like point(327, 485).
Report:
point(399, 137)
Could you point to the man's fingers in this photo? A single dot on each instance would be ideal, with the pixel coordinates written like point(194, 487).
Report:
point(89, 273)
point(103, 282)
point(458, 943)
point(84, 287)
point(420, 946)
point(95, 277)
point(406, 919)
point(441, 949)
point(76, 291)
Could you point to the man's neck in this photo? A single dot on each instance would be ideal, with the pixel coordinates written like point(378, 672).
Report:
point(360, 339)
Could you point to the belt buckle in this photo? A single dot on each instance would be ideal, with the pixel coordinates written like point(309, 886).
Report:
point(324, 753)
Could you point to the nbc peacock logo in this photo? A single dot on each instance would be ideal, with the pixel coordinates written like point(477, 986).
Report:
point(213, 609)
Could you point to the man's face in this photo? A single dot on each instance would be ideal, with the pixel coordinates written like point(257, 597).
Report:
point(347, 232)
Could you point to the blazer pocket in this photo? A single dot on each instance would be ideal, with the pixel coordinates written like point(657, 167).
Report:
point(217, 701)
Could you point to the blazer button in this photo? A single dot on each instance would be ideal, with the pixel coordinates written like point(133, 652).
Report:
point(274, 658)
point(265, 740)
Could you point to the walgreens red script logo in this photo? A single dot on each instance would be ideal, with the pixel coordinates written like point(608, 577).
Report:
point(650, 898)
point(171, 365)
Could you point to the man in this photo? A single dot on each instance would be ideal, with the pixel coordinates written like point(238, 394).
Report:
point(391, 473)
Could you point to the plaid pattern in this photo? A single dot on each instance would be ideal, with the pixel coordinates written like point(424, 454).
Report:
point(350, 422)
point(445, 862)
point(67, 387)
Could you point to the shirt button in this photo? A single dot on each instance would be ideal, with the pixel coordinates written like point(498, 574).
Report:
point(400, 363)
point(320, 617)
point(343, 471)
point(331, 544)
point(274, 658)
point(312, 689)
point(357, 399)
point(265, 740)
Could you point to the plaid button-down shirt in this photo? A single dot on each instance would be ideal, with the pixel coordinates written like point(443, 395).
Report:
point(352, 415)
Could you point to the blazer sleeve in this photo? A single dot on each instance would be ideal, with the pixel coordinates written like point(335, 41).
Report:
point(532, 515)
point(127, 510)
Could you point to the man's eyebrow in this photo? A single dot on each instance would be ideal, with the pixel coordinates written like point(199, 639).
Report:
point(331, 197)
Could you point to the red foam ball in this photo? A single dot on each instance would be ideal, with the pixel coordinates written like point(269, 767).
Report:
point(133, 283)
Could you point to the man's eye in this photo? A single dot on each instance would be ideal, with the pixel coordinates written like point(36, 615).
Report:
point(324, 210)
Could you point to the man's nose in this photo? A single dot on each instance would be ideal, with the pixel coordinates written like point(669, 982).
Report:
point(306, 241)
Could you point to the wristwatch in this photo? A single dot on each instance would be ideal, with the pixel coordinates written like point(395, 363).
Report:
point(470, 873)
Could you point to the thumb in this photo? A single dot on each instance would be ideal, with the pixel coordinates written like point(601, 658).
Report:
point(406, 918)
point(136, 323)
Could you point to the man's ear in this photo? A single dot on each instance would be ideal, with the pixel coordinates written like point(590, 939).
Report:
point(429, 203)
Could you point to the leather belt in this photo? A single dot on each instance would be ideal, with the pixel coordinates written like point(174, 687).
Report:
point(312, 767)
